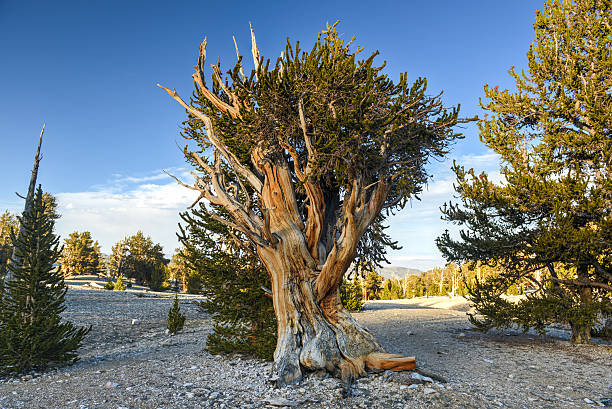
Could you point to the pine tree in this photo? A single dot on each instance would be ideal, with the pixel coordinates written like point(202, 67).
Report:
point(233, 281)
point(139, 258)
point(119, 286)
point(304, 159)
point(8, 223)
point(32, 334)
point(350, 294)
point(550, 221)
point(81, 255)
point(176, 320)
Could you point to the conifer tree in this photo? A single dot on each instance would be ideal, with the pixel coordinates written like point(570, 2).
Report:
point(81, 255)
point(32, 334)
point(235, 285)
point(176, 320)
point(303, 159)
point(550, 221)
point(8, 223)
point(350, 294)
point(119, 286)
point(139, 258)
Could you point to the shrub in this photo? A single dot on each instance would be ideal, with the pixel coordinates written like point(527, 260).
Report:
point(176, 320)
point(109, 285)
point(119, 284)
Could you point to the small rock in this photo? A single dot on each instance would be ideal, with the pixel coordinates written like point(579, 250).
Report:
point(167, 331)
point(26, 377)
point(413, 386)
point(135, 321)
point(488, 361)
point(419, 377)
point(428, 391)
point(281, 402)
point(190, 395)
point(589, 401)
point(187, 385)
point(213, 395)
point(110, 384)
point(402, 387)
point(388, 375)
point(511, 376)
point(461, 335)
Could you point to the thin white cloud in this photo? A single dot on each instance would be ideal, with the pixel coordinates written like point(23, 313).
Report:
point(113, 211)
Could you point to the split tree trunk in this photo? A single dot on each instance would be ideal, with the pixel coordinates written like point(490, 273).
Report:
point(314, 330)
point(318, 335)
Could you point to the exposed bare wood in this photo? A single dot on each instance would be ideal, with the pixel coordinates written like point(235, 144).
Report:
point(254, 51)
point(242, 76)
point(230, 157)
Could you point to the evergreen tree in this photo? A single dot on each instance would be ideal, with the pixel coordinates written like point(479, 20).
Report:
point(550, 221)
point(32, 334)
point(139, 258)
point(234, 283)
point(176, 320)
point(350, 294)
point(119, 286)
point(8, 223)
point(186, 278)
point(81, 255)
point(372, 282)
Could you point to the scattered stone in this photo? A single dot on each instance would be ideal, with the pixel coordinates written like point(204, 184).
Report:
point(488, 361)
point(429, 391)
point(388, 376)
point(110, 384)
point(589, 401)
point(461, 335)
point(135, 321)
point(27, 377)
point(413, 386)
point(417, 376)
point(213, 395)
point(189, 395)
point(281, 402)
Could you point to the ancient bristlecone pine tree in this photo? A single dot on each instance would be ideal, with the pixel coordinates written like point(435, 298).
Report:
point(303, 160)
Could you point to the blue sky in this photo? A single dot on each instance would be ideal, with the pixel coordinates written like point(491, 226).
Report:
point(88, 70)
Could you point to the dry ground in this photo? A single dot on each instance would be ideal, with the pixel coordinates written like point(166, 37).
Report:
point(139, 366)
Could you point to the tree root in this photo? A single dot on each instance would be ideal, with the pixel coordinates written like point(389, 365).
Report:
point(394, 362)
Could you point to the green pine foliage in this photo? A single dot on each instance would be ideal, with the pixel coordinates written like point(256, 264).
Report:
point(232, 280)
point(119, 286)
point(32, 333)
point(176, 320)
point(8, 223)
point(139, 258)
point(81, 255)
point(550, 221)
point(109, 285)
point(351, 295)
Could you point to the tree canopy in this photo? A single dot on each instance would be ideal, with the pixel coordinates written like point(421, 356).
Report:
point(303, 159)
point(81, 255)
point(139, 258)
point(32, 333)
point(550, 219)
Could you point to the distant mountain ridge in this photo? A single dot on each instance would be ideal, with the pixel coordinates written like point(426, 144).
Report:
point(397, 272)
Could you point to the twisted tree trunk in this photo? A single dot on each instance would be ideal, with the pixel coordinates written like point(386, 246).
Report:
point(314, 329)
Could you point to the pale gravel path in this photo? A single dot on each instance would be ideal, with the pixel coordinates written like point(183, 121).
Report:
point(143, 368)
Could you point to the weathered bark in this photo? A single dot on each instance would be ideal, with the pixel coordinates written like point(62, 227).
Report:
point(318, 335)
point(314, 330)
point(306, 255)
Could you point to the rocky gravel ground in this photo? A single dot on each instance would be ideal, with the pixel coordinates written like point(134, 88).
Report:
point(128, 361)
